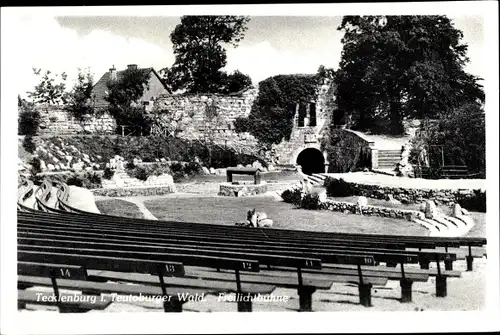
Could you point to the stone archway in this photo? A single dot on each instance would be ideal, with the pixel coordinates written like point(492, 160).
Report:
point(311, 160)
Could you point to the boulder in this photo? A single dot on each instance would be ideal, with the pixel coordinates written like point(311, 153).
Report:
point(431, 211)
point(457, 210)
point(43, 166)
point(257, 165)
point(212, 170)
point(220, 172)
point(205, 170)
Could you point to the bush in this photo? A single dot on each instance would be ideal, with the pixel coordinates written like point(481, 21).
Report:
point(339, 188)
point(140, 173)
point(192, 168)
point(75, 180)
point(130, 166)
point(92, 180)
point(29, 121)
point(292, 196)
point(310, 201)
point(35, 165)
point(476, 203)
point(28, 144)
point(108, 173)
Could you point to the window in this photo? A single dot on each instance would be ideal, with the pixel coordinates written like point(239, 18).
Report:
point(312, 114)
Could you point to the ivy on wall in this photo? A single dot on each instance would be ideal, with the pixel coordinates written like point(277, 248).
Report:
point(272, 114)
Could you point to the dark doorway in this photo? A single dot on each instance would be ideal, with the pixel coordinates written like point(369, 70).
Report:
point(312, 161)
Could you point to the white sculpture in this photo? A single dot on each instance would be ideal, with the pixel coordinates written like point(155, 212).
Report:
point(362, 202)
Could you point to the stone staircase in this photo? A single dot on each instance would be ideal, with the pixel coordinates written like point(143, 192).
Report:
point(387, 161)
point(447, 226)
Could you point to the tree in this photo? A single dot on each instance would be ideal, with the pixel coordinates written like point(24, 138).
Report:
point(51, 89)
point(199, 53)
point(459, 138)
point(80, 99)
point(393, 67)
point(235, 82)
point(123, 96)
point(28, 118)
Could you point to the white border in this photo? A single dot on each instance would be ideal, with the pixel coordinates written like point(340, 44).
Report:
point(13, 322)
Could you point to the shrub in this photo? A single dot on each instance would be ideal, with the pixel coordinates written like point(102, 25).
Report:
point(339, 188)
point(475, 203)
point(176, 167)
point(292, 196)
point(29, 120)
point(28, 144)
point(108, 173)
point(130, 166)
point(192, 168)
point(92, 180)
point(310, 201)
point(75, 180)
point(140, 173)
point(35, 165)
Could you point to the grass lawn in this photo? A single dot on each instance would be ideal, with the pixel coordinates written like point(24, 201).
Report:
point(228, 210)
point(119, 208)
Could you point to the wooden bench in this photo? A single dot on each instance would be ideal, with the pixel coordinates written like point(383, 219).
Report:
point(381, 255)
point(453, 171)
point(255, 172)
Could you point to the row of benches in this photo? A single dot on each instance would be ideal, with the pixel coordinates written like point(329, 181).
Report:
point(131, 250)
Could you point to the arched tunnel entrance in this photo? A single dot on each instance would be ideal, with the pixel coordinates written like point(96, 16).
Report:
point(311, 160)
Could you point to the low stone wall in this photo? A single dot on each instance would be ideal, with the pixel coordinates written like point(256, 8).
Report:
point(396, 213)
point(232, 190)
point(409, 195)
point(133, 191)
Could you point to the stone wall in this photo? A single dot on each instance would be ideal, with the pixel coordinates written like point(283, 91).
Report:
point(56, 120)
point(133, 191)
point(409, 195)
point(348, 149)
point(198, 117)
point(348, 207)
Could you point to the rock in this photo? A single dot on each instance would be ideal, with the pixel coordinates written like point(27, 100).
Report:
point(248, 166)
point(270, 167)
point(51, 167)
point(431, 211)
point(205, 170)
point(239, 166)
point(118, 181)
point(257, 165)
point(362, 201)
point(220, 172)
point(465, 212)
point(43, 166)
point(212, 170)
point(457, 210)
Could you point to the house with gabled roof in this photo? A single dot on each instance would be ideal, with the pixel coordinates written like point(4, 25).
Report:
point(155, 88)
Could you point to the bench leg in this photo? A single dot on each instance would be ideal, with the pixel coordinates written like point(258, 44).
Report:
point(365, 294)
point(469, 260)
point(21, 305)
point(406, 290)
point(441, 289)
point(305, 298)
point(173, 306)
point(245, 306)
point(424, 264)
point(448, 265)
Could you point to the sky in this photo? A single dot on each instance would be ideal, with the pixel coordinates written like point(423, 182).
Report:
point(272, 44)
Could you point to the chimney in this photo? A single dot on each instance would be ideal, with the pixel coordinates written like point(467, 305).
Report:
point(132, 67)
point(112, 73)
